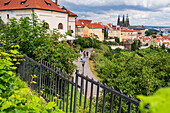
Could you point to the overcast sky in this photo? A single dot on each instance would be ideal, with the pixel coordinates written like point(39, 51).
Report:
point(141, 12)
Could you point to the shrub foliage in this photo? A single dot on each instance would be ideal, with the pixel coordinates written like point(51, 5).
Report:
point(138, 72)
point(38, 42)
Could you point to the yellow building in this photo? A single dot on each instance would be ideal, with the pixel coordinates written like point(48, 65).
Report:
point(128, 34)
point(87, 28)
point(113, 31)
point(96, 29)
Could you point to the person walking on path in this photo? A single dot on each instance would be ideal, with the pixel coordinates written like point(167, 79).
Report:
point(84, 54)
point(87, 71)
point(87, 53)
point(81, 57)
point(80, 51)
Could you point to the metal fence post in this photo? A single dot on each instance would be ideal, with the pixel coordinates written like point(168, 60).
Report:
point(75, 94)
point(40, 75)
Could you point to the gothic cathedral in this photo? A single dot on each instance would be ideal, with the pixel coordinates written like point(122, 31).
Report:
point(123, 23)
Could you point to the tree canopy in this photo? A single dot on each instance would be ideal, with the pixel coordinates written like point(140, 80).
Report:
point(38, 42)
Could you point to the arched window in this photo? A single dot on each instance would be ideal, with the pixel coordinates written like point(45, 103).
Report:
point(60, 26)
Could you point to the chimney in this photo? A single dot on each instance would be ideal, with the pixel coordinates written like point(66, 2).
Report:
point(56, 2)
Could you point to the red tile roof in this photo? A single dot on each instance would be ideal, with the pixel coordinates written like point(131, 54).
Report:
point(112, 26)
point(85, 35)
point(71, 13)
point(95, 26)
point(84, 22)
point(124, 40)
point(29, 4)
point(78, 23)
point(147, 38)
point(106, 27)
point(165, 42)
point(124, 28)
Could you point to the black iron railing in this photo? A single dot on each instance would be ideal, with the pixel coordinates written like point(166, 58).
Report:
point(70, 96)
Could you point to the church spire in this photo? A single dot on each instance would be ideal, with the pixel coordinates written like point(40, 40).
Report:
point(127, 21)
point(123, 19)
point(118, 20)
point(127, 17)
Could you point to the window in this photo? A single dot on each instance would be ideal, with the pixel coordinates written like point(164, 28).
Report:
point(23, 1)
point(7, 16)
point(60, 26)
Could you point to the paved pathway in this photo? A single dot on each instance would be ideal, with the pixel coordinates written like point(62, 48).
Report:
point(88, 72)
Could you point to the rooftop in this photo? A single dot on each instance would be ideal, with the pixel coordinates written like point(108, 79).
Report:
point(31, 4)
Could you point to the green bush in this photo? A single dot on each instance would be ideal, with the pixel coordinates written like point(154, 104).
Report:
point(140, 72)
point(38, 42)
point(109, 42)
point(159, 102)
point(15, 96)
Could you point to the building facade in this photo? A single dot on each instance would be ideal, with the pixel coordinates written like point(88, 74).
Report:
point(88, 28)
point(56, 17)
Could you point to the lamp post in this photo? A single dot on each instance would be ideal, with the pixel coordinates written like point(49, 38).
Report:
point(83, 63)
point(82, 80)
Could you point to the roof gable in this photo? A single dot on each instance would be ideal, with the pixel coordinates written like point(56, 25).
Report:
point(29, 4)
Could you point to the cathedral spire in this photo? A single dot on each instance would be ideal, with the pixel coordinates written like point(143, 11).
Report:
point(127, 21)
point(127, 17)
point(123, 19)
point(118, 20)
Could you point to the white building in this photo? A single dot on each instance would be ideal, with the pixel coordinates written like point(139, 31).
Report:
point(56, 16)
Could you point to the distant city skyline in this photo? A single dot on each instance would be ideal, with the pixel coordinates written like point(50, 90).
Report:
point(141, 12)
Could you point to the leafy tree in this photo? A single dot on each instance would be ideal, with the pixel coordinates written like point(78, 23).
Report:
point(136, 45)
point(38, 42)
point(153, 36)
point(139, 72)
point(163, 46)
point(106, 34)
point(69, 33)
point(121, 43)
point(117, 39)
point(149, 32)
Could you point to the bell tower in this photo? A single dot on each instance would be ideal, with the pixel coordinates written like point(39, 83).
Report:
point(127, 21)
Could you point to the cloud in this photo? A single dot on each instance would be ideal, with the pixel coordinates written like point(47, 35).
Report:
point(137, 17)
point(141, 12)
point(143, 3)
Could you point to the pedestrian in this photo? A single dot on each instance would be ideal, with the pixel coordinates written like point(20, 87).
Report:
point(80, 51)
point(87, 53)
point(84, 54)
point(81, 57)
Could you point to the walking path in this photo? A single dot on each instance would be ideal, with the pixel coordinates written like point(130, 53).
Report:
point(88, 72)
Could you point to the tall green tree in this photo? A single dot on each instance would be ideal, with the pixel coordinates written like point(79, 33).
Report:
point(105, 34)
point(117, 39)
point(136, 45)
